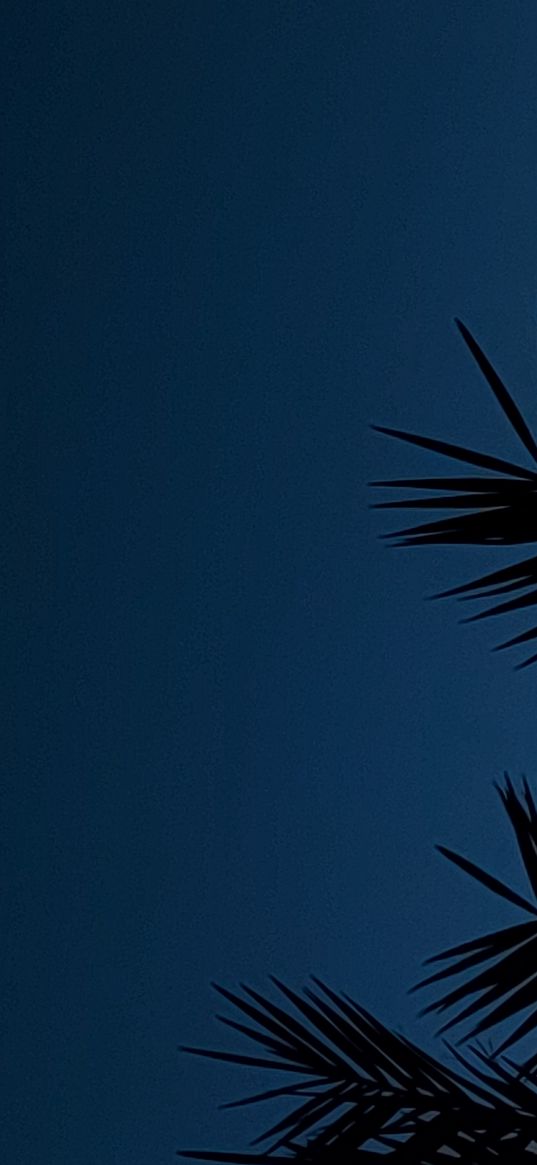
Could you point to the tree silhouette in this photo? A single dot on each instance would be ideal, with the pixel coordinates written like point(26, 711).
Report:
point(499, 509)
point(358, 1091)
point(508, 985)
point(364, 1090)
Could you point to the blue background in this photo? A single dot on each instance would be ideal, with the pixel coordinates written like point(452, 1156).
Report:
point(235, 234)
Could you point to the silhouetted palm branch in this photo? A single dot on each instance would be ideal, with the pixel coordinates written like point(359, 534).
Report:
point(497, 510)
point(506, 983)
point(363, 1090)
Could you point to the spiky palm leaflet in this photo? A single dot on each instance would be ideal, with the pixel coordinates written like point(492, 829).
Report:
point(363, 1089)
point(495, 510)
point(506, 981)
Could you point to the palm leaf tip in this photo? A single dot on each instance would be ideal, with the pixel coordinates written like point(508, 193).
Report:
point(384, 1096)
point(497, 507)
point(501, 393)
point(503, 964)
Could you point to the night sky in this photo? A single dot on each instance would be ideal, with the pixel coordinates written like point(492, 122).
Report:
point(235, 234)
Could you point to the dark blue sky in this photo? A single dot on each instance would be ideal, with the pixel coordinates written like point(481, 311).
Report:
point(236, 234)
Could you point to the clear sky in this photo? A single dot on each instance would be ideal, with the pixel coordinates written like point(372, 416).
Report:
point(234, 235)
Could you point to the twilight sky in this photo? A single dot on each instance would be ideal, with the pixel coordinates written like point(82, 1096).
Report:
point(234, 235)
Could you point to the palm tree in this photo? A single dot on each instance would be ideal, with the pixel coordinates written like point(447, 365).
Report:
point(364, 1090)
point(508, 983)
point(497, 509)
point(357, 1091)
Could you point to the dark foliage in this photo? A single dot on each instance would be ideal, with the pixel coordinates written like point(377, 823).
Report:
point(506, 983)
point(356, 1091)
point(498, 508)
point(363, 1090)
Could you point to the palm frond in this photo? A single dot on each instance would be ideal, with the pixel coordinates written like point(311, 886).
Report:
point(506, 982)
point(365, 1091)
point(495, 510)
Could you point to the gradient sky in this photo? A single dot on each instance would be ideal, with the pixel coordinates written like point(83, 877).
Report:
point(236, 234)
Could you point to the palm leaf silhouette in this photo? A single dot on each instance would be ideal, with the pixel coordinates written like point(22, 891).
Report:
point(354, 1090)
point(506, 982)
point(495, 510)
point(363, 1090)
